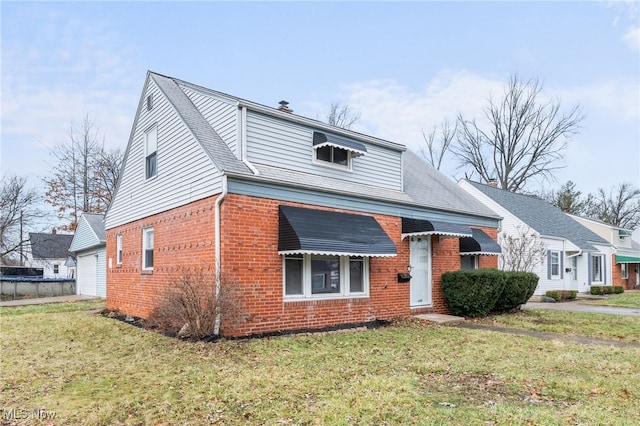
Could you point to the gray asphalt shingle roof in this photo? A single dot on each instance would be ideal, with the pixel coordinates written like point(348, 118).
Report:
point(96, 223)
point(545, 218)
point(214, 146)
point(50, 246)
point(424, 186)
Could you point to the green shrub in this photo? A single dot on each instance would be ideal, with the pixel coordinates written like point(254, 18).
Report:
point(472, 293)
point(559, 295)
point(596, 290)
point(554, 294)
point(518, 289)
point(618, 289)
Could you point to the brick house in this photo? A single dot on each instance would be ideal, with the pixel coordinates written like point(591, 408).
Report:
point(320, 226)
point(625, 260)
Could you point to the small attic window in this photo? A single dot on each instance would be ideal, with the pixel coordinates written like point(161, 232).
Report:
point(336, 150)
point(150, 102)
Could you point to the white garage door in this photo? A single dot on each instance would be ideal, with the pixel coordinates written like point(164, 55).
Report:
point(86, 281)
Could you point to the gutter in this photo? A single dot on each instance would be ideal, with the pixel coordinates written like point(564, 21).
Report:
point(218, 250)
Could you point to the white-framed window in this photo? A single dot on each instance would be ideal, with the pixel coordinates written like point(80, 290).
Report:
point(469, 262)
point(317, 276)
point(624, 271)
point(554, 265)
point(597, 268)
point(119, 249)
point(334, 156)
point(147, 248)
point(151, 152)
point(150, 102)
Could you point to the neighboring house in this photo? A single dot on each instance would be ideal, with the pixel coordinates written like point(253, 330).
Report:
point(89, 246)
point(51, 253)
point(576, 257)
point(626, 256)
point(318, 225)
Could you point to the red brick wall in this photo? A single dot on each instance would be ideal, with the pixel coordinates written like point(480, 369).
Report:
point(628, 283)
point(250, 257)
point(184, 241)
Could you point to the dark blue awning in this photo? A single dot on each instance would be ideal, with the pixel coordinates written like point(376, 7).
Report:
point(479, 243)
point(323, 139)
point(417, 227)
point(309, 231)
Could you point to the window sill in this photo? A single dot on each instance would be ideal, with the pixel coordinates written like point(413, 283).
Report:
point(146, 272)
point(333, 166)
point(340, 298)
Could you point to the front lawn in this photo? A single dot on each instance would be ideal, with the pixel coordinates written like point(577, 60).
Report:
point(611, 327)
point(88, 369)
point(628, 299)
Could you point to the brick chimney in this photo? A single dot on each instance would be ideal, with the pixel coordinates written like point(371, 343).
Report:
point(493, 183)
point(53, 231)
point(284, 107)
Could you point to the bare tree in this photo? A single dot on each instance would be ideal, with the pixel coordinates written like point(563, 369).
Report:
point(522, 251)
point(620, 207)
point(342, 116)
point(84, 176)
point(523, 137)
point(436, 149)
point(18, 211)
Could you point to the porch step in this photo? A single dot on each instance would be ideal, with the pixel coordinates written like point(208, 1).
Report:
point(440, 318)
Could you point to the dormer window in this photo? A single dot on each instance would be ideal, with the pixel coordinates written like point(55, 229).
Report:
point(336, 150)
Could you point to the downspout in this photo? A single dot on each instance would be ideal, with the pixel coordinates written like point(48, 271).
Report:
point(217, 243)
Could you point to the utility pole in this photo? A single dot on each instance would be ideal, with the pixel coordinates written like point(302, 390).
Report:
point(21, 239)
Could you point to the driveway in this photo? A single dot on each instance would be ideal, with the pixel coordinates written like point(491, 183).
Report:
point(580, 306)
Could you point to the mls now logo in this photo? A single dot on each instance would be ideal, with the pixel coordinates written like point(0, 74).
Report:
point(23, 414)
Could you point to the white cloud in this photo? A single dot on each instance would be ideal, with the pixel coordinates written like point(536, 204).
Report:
point(632, 39)
point(392, 111)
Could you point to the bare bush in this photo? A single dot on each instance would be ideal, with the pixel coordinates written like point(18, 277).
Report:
point(191, 305)
point(522, 251)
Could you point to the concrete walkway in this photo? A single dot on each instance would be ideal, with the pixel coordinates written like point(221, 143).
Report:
point(580, 306)
point(43, 300)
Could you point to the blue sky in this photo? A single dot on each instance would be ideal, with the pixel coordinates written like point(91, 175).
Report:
point(405, 66)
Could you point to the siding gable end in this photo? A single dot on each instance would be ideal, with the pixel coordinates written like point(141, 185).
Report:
point(185, 169)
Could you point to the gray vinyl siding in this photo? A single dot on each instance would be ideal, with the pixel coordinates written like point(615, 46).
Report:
point(83, 238)
point(184, 172)
point(101, 273)
point(219, 113)
point(290, 145)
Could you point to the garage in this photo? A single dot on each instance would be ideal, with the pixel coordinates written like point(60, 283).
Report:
point(89, 248)
point(87, 274)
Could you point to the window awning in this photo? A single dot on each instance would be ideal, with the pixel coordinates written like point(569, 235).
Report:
point(479, 243)
point(624, 233)
point(627, 259)
point(309, 231)
point(322, 139)
point(418, 227)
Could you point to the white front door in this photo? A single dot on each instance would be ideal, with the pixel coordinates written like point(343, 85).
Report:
point(420, 258)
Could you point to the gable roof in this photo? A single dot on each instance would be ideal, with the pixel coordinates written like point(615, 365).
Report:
point(217, 150)
point(89, 233)
point(545, 218)
point(50, 246)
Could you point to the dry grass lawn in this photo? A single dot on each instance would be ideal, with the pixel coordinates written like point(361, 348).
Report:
point(87, 369)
